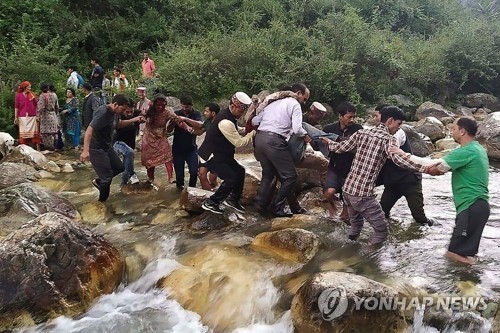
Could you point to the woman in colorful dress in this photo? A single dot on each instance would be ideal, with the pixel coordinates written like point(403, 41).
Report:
point(72, 118)
point(25, 115)
point(47, 110)
point(155, 147)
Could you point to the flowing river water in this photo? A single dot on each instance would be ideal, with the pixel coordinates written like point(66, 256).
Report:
point(151, 231)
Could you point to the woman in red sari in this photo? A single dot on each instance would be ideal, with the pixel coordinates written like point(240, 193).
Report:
point(25, 115)
point(155, 147)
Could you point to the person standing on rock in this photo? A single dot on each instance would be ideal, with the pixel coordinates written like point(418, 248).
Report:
point(90, 104)
point(399, 182)
point(340, 164)
point(371, 147)
point(218, 151)
point(277, 122)
point(97, 143)
point(469, 182)
point(25, 115)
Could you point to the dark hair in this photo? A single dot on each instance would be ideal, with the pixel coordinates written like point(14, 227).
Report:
point(117, 69)
point(120, 99)
point(87, 86)
point(73, 68)
point(186, 100)
point(52, 87)
point(131, 103)
point(151, 112)
point(346, 107)
point(468, 124)
point(380, 107)
point(213, 107)
point(391, 112)
point(44, 87)
point(296, 87)
point(72, 91)
point(95, 59)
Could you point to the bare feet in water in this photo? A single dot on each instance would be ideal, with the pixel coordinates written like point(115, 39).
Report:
point(461, 259)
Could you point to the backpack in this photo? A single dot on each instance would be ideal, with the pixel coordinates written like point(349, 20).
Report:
point(81, 81)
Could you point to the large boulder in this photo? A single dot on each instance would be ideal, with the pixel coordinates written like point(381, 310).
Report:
point(479, 114)
point(26, 154)
point(15, 173)
point(430, 109)
point(53, 266)
point(23, 202)
point(295, 244)
point(327, 303)
point(431, 127)
point(489, 135)
point(420, 147)
point(192, 198)
point(446, 144)
point(480, 100)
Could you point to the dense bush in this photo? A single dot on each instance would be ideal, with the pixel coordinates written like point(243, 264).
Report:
point(360, 50)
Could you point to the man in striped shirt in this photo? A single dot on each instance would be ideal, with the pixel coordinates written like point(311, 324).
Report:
point(372, 150)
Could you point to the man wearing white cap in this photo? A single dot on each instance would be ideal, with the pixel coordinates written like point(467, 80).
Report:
point(218, 150)
point(143, 106)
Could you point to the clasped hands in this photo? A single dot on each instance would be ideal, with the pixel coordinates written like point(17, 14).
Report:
point(432, 170)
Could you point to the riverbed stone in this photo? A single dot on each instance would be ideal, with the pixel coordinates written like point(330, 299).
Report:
point(67, 168)
point(192, 199)
point(480, 100)
point(430, 109)
point(420, 147)
point(488, 135)
point(23, 202)
point(446, 144)
point(94, 212)
point(293, 244)
point(431, 127)
point(316, 295)
point(137, 188)
point(53, 266)
point(26, 154)
point(15, 173)
point(51, 166)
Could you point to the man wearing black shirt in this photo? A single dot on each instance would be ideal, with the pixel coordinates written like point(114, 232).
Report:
point(340, 164)
point(124, 143)
point(97, 143)
point(184, 148)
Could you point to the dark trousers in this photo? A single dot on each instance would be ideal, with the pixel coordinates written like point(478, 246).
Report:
point(106, 164)
point(233, 178)
point(469, 225)
point(276, 161)
point(413, 194)
point(191, 159)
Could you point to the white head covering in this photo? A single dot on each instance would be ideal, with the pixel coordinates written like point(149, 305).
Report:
point(242, 98)
point(319, 106)
point(141, 88)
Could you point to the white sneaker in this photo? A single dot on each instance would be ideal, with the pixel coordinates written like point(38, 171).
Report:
point(133, 179)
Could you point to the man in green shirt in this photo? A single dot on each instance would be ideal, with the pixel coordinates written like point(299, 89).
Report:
point(469, 181)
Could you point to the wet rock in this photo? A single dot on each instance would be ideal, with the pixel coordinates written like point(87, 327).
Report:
point(15, 173)
point(209, 221)
point(67, 168)
point(480, 100)
point(418, 144)
point(43, 174)
point(490, 311)
point(137, 188)
point(192, 199)
point(313, 201)
point(26, 154)
point(446, 144)
point(430, 109)
point(488, 135)
point(94, 212)
point(164, 217)
point(53, 266)
point(462, 322)
point(252, 178)
point(431, 127)
point(227, 286)
point(26, 201)
point(297, 245)
point(51, 166)
point(315, 298)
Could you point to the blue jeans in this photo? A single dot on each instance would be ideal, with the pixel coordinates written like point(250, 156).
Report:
point(191, 159)
point(124, 150)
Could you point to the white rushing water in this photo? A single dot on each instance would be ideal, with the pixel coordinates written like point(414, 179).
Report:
point(140, 307)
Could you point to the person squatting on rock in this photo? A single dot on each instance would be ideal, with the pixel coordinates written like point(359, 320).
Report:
point(469, 182)
point(156, 149)
point(218, 151)
point(184, 148)
point(97, 143)
point(277, 122)
point(211, 110)
point(340, 164)
point(124, 142)
point(399, 182)
point(371, 148)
